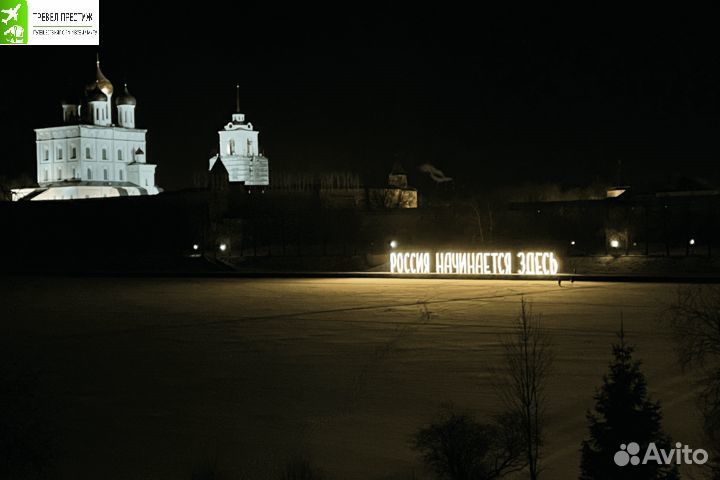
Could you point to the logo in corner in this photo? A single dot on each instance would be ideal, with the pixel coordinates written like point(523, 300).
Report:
point(627, 454)
point(680, 455)
point(13, 21)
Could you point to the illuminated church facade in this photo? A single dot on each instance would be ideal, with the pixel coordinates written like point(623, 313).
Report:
point(89, 156)
point(239, 151)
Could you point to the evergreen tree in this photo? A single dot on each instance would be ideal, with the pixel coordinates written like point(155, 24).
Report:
point(623, 414)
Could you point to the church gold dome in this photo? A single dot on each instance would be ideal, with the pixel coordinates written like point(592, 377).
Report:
point(96, 94)
point(102, 81)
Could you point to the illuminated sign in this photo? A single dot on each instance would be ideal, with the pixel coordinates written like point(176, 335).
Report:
point(475, 263)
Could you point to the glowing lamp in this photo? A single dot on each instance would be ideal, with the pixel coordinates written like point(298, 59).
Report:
point(223, 247)
point(393, 244)
point(614, 243)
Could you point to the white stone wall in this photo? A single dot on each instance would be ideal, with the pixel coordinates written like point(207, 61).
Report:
point(239, 149)
point(110, 149)
point(126, 116)
point(54, 152)
point(251, 170)
point(239, 142)
point(142, 174)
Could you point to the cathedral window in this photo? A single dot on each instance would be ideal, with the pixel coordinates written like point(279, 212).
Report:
point(231, 147)
point(121, 175)
point(104, 154)
point(73, 153)
point(59, 177)
point(119, 157)
point(46, 155)
point(60, 154)
point(105, 175)
point(87, 153)
point(89, 174)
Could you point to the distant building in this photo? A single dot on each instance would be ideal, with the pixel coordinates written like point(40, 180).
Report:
point(398, 177)
point(239, 151)
point(616, 191)
point(396, 194)
point(90, 156)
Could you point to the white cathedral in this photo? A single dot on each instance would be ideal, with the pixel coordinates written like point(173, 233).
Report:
point(239, 151)
point(90, 156)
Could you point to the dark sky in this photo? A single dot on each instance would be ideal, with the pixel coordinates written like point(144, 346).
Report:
point(489, 97)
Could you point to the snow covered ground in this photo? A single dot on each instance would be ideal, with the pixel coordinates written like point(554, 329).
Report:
point(148, 378)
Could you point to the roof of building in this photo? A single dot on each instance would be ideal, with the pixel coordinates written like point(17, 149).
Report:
point(96, 94)
point(70, 95)
point(125, 97)
point(102, 81)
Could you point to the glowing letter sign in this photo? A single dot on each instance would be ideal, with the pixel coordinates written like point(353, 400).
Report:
point(475, 263)
point(414, 262)
point(537, 263)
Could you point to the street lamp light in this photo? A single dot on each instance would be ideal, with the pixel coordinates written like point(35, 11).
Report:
point(692, 241)
point(223, 247)
point(614, 243)
point(393, 244)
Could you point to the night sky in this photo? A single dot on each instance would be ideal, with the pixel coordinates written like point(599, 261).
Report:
point(490, 98)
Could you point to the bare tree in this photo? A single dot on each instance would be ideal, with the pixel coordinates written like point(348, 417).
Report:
point(528, 356)
point(695, 321)
point(458, 447)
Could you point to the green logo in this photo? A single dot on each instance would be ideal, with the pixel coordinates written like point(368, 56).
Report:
point(13, 21)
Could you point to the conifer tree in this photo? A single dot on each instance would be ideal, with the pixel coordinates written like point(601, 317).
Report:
point(624, 414)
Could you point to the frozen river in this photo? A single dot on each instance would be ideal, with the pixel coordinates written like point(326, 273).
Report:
point(149, 378)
